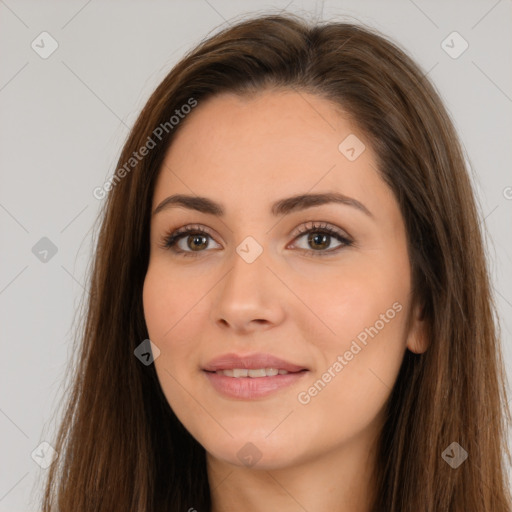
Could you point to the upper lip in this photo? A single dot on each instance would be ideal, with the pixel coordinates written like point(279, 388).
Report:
point(253, 361)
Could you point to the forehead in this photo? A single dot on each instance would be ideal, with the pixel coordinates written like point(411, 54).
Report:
point(282, 141)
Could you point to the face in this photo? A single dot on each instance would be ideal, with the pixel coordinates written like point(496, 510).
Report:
point(315, 289)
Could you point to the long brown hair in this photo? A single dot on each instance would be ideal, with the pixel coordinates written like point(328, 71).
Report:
point(121, 446)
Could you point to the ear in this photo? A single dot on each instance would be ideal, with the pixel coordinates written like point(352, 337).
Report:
point(417, 339)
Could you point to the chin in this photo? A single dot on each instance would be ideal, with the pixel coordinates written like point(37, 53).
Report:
point(251, 453)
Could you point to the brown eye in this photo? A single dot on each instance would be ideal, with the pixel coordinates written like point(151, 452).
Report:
point(188, 241)
point(320, 238)
point(194, 240)
point(197, 242)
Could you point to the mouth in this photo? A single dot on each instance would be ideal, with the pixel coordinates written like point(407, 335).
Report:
point(253, 373)
point(253, 376)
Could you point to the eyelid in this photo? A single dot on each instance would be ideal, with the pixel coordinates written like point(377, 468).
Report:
point(191, 228)
point(320, 226)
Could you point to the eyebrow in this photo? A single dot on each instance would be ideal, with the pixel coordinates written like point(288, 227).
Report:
point(279, 208)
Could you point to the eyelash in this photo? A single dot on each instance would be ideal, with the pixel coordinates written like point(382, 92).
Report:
point(169, 240)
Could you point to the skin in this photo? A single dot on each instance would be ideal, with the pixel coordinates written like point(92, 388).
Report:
point(246, 153)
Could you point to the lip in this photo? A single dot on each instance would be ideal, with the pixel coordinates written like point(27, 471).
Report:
point(251, 362)
point(249, 388)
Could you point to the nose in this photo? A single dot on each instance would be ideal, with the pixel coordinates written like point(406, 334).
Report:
point(249, 298)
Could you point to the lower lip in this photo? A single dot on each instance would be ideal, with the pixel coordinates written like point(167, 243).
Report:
point(247, 388)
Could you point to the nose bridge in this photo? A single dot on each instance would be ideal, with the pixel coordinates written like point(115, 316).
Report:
point(247, 277)
point(247, 293)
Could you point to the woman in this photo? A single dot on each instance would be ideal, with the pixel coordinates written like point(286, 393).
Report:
point(292, 226)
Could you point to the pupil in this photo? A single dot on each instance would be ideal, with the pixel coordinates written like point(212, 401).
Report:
point(196, 243)
point(319, 239)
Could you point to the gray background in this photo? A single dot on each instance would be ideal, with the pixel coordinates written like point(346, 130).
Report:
point(65, 118)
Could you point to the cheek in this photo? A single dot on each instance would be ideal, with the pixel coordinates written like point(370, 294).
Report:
point(364, 306)
point(171, 312)
point(166, 301)
point(349, 390)
point(168, 312)
point(153, 299)
point(341, 304)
